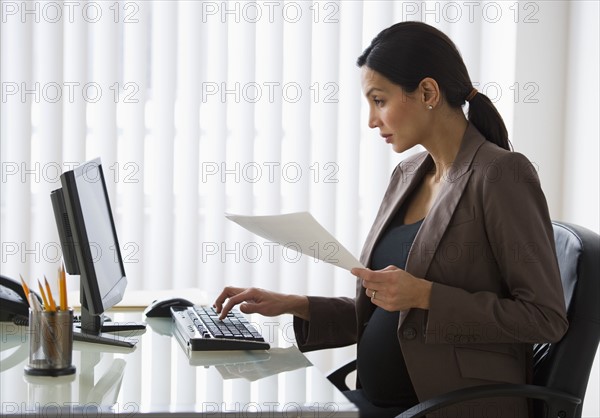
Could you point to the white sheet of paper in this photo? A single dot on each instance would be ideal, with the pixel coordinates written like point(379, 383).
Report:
point(299, 231)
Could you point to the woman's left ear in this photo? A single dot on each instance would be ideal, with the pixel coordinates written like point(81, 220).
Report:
point(430, 92)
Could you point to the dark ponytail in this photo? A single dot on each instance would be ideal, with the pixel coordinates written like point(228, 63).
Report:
point(484, 115)
point(407, 52)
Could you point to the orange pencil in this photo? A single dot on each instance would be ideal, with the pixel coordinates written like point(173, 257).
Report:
point(25, 288)
point(46, 305)
point(62, 286)
point(49, 295)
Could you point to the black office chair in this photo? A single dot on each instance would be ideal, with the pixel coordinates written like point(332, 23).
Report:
point(561, 370)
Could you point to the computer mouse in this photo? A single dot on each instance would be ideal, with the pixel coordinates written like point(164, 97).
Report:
point(161, 307)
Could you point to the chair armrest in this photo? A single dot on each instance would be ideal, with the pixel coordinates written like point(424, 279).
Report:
point(560, 404)
point(338, 377)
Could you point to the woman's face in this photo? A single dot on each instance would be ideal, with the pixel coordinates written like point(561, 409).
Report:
point(401, 117)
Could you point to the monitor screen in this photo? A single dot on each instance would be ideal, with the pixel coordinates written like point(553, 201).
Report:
point(89, 238)
point(98, 232)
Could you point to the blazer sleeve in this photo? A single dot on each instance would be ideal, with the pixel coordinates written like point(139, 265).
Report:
point(332, 324)
point(520, 235)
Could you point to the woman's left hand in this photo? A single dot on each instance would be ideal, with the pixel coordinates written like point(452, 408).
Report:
point(394, 289)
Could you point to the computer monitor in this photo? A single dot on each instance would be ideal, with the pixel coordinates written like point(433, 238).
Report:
point(91, 249)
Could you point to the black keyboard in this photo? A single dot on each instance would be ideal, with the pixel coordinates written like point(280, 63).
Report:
point(199, 328)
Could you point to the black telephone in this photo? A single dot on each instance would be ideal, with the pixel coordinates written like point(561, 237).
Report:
point(13, 304)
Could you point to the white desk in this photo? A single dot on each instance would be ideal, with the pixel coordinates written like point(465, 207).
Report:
point(157, 377)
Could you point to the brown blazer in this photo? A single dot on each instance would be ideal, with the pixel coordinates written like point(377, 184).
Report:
point(488, 247)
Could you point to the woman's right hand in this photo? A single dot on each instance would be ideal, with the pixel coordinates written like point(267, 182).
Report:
point(264, 302)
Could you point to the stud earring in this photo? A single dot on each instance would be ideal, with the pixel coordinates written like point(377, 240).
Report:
point(429, 107)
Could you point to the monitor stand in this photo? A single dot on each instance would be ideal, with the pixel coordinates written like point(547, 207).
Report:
point(94, 328)
point(100, 338)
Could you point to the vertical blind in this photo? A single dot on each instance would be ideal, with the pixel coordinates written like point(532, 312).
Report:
point(198, 108)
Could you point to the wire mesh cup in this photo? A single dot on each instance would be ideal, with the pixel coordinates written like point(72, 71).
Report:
point(50, 343)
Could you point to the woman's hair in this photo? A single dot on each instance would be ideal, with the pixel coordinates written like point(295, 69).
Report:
point(408, 52)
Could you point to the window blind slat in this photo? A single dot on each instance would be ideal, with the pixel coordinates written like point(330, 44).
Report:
point(269, 122)
point(297, 63)
point(48, 135)
point(213, 116)
point(75, 43)
point(103, 93)
point(17, 42)
point(132, 153)
point(191, 73)
point(268, 149)
point(297, 139)
point(350, 123)
point(246, 171)
point(164, 48)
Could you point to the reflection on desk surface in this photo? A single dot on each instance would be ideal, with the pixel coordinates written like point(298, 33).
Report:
point(105, 391)
point(91, 391)
point(246, 364)
point(159, 377)
point(251, 365)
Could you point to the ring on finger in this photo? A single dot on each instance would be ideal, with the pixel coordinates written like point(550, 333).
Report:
point(373, 293)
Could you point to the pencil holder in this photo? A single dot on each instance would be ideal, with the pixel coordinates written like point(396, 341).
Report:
point(50, 343)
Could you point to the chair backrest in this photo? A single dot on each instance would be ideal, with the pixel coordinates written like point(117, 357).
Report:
point(566, 364)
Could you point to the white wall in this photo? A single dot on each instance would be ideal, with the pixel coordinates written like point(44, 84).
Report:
point(581, 150)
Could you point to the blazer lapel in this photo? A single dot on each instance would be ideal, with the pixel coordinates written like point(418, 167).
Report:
point(400, 187)
point(394, 197)
point(435, 224)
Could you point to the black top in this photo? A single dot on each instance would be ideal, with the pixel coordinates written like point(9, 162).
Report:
point(380, 363)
